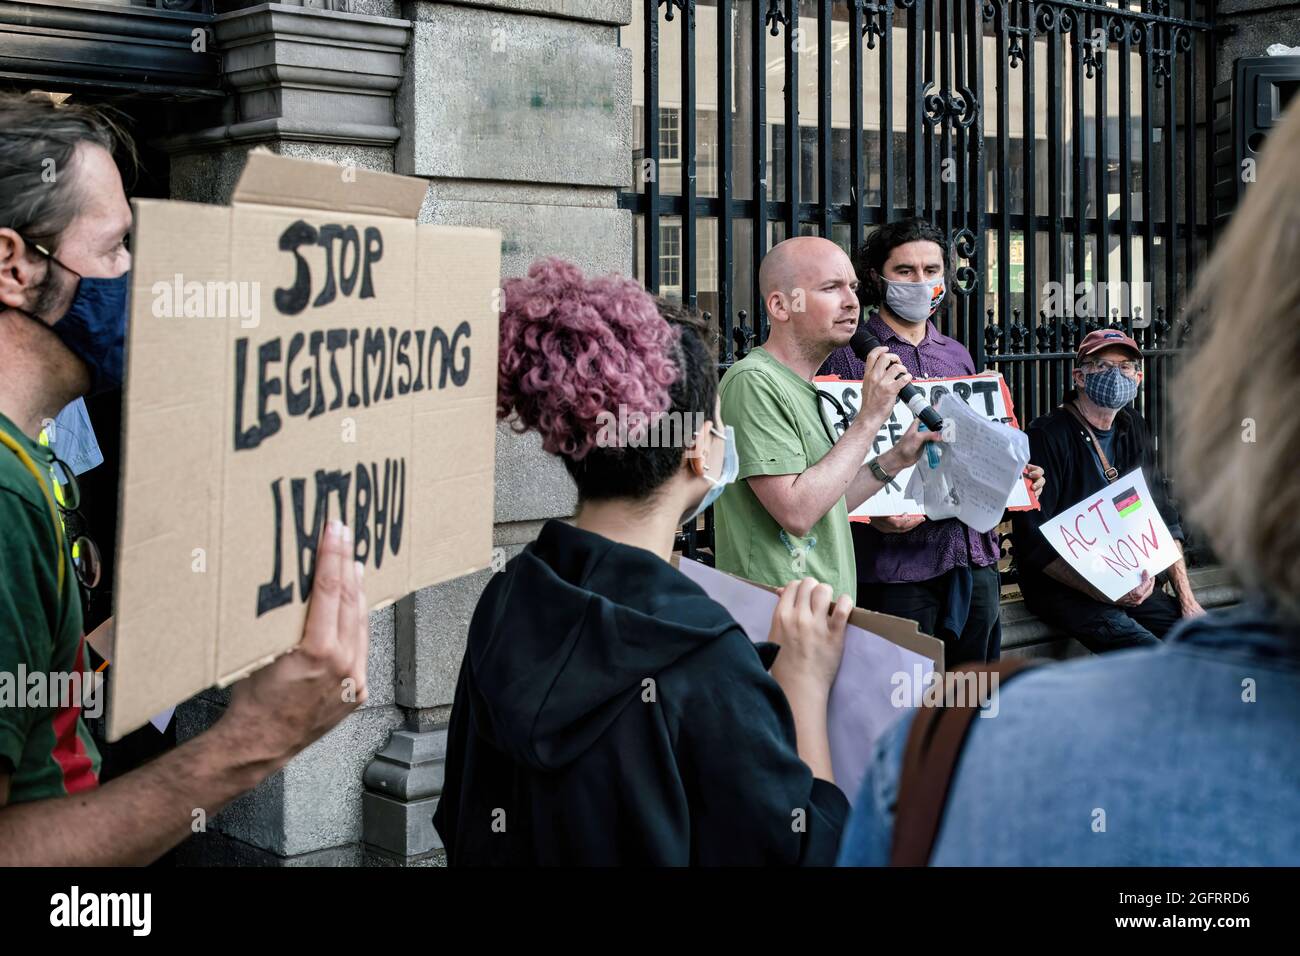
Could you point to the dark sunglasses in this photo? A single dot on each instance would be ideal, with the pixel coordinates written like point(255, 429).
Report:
point(85, 553)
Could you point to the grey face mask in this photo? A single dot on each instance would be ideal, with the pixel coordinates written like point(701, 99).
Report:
point(913, 301)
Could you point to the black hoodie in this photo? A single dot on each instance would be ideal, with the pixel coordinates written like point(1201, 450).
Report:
point(609, 712)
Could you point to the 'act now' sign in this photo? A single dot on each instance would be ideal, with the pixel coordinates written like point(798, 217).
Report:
point(1111, 537)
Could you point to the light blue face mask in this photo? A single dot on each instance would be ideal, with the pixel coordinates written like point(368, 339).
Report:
point(913, 301)
point(730, 469)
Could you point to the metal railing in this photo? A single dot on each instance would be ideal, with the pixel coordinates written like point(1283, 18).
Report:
point(1094, 114)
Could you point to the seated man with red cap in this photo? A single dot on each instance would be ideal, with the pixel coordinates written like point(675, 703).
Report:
point(1093, 438)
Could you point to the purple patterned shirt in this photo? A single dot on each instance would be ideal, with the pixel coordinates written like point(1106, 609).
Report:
point(932, 547)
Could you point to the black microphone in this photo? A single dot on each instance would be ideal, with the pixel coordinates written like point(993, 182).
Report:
point(862, 343)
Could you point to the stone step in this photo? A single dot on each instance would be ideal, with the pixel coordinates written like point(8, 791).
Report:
point(1024, 635)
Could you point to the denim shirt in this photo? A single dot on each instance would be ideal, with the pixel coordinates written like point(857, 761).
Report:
point(1187, 754)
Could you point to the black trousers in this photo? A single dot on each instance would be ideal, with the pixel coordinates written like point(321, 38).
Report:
point(1105, 627)
point(924, 602)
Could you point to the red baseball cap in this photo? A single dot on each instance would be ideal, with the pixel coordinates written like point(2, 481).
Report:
point(1107, 338)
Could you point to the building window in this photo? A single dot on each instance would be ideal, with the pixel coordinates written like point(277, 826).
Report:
point(670, 135)
point(670, 258)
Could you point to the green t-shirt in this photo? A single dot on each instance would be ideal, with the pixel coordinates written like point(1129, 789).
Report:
point(779, 431)
point(44, 743)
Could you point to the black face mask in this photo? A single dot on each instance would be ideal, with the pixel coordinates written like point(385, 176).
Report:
point(94, 327)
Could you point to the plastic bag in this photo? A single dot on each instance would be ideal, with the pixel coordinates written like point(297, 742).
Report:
point(931, 485)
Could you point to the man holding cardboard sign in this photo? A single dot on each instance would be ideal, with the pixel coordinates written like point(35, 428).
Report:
point(1107, 519)
point(64, 275)
point(363, 386)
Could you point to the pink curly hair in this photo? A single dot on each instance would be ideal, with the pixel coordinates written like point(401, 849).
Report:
point(572, 347)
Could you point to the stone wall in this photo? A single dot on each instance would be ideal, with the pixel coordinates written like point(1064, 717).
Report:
point(1251, 27)
point(519, 114)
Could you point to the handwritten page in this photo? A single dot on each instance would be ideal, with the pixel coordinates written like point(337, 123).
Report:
point(981, 462)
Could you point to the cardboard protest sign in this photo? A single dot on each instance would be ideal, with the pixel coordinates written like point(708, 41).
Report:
point(986, 393)
point(1113, 536)
point(308, 352)
point(887, 665)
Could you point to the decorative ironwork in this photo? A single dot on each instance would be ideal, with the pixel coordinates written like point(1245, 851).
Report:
point(990, 190)
point(686, 6)
point(1180, 41)
point(966, 246)
point(876, 19)
point(992, 335)
point(1044, 335)
point(1019, 331)
point(1094, 54)
point(775, 14)
point(1017, 36)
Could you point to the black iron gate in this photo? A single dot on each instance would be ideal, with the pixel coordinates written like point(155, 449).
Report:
point(1061, 144)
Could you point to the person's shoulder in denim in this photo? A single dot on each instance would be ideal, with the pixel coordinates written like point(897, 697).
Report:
point(1183, 755)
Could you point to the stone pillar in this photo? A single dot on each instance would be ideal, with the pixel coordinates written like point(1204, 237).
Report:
point(519, 112)
point(402, 787)
point(321, 84)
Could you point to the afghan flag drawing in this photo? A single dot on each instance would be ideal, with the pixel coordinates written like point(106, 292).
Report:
point(1127, 502)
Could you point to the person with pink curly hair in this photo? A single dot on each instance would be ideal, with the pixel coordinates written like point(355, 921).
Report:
point(608, 711)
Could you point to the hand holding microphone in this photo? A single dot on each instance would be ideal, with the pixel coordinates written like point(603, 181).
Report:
point(862, 344)
point(883, 375)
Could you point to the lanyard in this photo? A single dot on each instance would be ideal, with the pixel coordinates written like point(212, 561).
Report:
point(9, 442)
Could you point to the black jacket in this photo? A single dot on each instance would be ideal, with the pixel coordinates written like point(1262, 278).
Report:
point(609, 712)
point(1059, 444)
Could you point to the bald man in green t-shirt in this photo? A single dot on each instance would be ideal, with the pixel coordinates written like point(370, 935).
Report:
point(787, 515)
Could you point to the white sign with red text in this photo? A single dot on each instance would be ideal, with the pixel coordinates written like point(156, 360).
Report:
point(1111, 537)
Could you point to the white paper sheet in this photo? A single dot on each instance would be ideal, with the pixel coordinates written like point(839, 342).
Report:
point(72, 438)
point(985, 393)
point(982, 462)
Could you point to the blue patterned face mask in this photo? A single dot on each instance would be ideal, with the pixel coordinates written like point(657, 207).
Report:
point(1110, 388)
